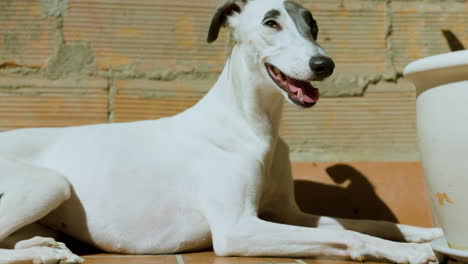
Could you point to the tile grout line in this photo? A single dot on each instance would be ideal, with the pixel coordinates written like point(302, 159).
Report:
point(180, 260)
point(299, 261)
point(118, 256)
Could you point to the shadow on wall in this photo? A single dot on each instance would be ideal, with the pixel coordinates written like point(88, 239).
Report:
point(357, 200)
point(453, 42)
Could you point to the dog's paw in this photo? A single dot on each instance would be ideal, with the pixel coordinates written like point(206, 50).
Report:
point(420, 234)
point(413, 253)
point(39, 242)
point(396, 252)
point(45, 250)
point(422, 253)
point(48, 255)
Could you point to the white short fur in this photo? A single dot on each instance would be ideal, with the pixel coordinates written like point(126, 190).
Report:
point(200, 178)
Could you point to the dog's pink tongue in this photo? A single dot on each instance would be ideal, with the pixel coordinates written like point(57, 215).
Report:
point(310, 94)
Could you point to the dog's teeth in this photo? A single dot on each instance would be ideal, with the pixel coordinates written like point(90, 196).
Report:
point(300, 95)
point(276, 71)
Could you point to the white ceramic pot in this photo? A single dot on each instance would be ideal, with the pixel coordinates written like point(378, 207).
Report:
point(442, 119)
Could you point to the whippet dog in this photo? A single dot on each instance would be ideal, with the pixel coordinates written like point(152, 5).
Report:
point(217, 174)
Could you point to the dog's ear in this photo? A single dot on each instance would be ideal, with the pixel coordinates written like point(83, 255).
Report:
point(221, 15)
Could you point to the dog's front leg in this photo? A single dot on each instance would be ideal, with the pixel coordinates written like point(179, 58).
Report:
point(251, 236)
point(283, 209)
point(229, 203)
point(28, 194)
point(280, 206)
point(383, 229)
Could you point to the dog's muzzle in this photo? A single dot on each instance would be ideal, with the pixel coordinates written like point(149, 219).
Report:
point(300, 92)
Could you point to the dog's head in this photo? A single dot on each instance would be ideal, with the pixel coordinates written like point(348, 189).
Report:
point(281, 35)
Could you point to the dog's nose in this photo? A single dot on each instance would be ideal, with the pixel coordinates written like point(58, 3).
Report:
point(322, 66)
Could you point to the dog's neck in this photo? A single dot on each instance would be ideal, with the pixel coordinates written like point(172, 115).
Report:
point(243, 90)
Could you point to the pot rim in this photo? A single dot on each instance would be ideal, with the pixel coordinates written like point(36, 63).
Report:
point(445, 60)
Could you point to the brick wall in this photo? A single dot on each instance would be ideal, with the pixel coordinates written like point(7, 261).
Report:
point(92, 61)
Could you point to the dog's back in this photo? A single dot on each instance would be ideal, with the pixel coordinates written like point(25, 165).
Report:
point(26, 144)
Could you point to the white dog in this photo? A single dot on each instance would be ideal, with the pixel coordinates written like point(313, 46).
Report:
point(215, 175)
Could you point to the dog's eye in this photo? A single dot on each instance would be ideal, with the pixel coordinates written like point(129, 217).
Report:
point(272, 24)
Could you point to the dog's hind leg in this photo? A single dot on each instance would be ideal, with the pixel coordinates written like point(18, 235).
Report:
point(28, 193)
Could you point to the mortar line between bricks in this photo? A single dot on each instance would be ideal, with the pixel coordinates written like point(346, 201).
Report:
point(59, 37)
point(391, 72)
point(111, 98)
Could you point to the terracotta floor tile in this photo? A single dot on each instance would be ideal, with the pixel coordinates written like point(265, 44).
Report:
point(329, 261)
point(203, 258)
point(210, 258)
point(129, 259)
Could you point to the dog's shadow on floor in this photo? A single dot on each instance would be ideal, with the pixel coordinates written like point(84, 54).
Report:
point(358, 200)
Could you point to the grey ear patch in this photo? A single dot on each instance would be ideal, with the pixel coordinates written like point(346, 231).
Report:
point(220, 17)
point(303, 19)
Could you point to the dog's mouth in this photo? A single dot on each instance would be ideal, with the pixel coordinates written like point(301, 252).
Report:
point(300, 92)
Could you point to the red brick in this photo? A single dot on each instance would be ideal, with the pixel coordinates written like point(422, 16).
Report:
point(352, 32)
point(25, 37)
point(38, 102)
point(146, 35)
point(378, 126)
point(145, 99)
point(418, 28)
